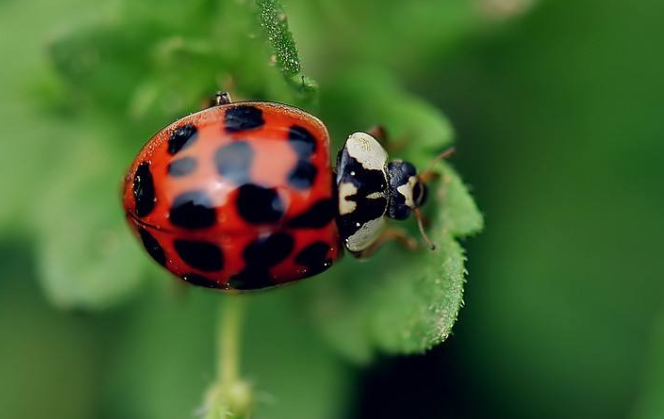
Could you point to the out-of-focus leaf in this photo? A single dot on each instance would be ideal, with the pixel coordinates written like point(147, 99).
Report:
point(26, 149)
point(150, 69)
point(86, 257)
point(417, 131)
point(387, 33)
point(398, 301)
point(651, 402)
point(569, 276)
point(42, 348)
point(174, 16)
point(105, 62)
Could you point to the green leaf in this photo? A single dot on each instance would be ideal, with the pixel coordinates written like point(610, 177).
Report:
point(104, 62)
point(420, 299)
point(150, 69)
point(397, 301)
point(458, 211)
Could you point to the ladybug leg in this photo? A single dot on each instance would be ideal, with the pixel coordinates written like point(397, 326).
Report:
point(392, 145)
point(391, 234)
point(379, 133)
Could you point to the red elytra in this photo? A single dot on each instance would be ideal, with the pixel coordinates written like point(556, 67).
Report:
point(236, 197)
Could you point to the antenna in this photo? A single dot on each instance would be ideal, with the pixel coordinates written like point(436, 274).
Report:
point(425, 177)
point(420, 224)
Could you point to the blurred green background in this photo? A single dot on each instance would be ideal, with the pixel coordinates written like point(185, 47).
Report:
point(556, 107)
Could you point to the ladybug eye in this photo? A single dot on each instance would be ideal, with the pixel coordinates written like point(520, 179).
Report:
point(419, 194)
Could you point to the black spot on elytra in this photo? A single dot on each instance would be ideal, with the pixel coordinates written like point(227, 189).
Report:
point(319, 215)
point(258, 205)
point(200, 255)
point(243, 117)
point(200, 281)
point(234, 161)
point(182, 167)
point(268, 251)
point(303, 175)
point(262, 254)
point(193, 210)
point(251, 279)
point(152, 246)
point(302, 141)
point(314, 257)
point(182, 137)
point(143, 188)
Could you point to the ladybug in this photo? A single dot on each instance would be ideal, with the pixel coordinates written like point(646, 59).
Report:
point(241, 196)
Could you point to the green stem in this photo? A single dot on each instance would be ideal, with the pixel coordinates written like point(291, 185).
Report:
point(229, 397)
point(229, 335)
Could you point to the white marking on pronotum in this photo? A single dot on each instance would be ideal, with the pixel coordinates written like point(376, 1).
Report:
point(346, 190)
point(366, 235)
point(367, 151)
point(375, 195)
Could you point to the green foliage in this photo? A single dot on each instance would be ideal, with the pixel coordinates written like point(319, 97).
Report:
point(87, 259)
point(560, 132)
point(120, 73)
point(145, 69)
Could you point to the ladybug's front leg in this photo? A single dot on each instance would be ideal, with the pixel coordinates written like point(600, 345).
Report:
point(390, 234)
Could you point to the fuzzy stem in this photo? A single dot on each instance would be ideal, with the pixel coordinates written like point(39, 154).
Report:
point(274, 24)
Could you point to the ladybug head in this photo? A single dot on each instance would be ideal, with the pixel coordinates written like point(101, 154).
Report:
point(407, 191)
